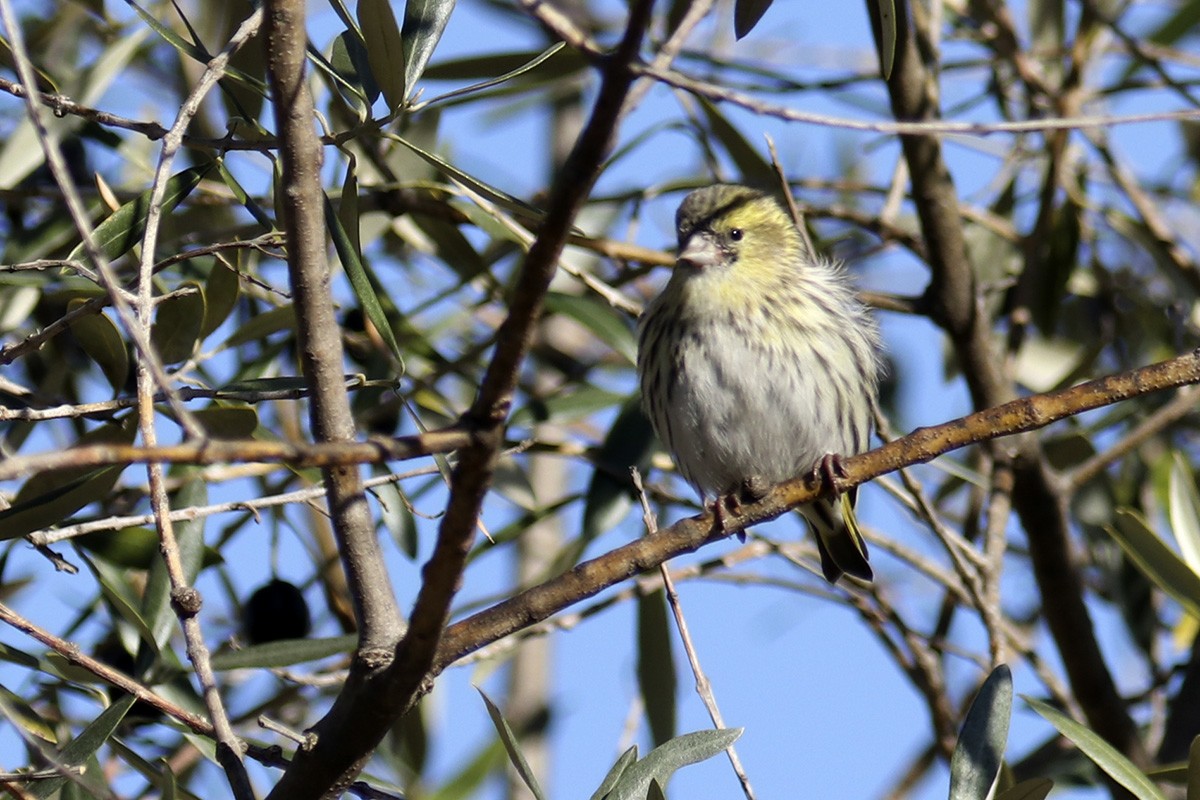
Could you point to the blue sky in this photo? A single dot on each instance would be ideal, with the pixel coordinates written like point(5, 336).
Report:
point(823, 705)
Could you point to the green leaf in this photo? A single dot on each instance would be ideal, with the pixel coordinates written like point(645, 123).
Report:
point(343, 13)
point(1047, 31)
point(615, 773)
point(747, 13)
point(599, 318)
point(263, 385)
point(20, 154)
point(656, 666)
point(131, 548)
point(1193, 771)
point(398, 518)
point(629, 443)
point(522, 523)
point(19, 657)
point(168, 781)
point(466, 783)
point(501, 198)
point(196, 53)
point(662, 762)
point(227, 421)
point(385, 49)
point(1183, 508)
point(979, 753)
point(221, 292)
point(25, 717)
point(283, 653)
point(410, 742)
point(1181, 23)
point(424, 22)
point(82, 747)
point(42, 80)
point(510, 744)
point(60, 666)
point(50, 497)
point(115, 586)
point(348, 58)
point(347, 209)
point(529, 69)
point(263, 325)
point(1156, 560)
point(675, 14)
point(242, 196)
point(1105, 756)
point(568, 405)
point(453, 248)
point(886, 9)
point(124, 228)
point(17, 302)
point(1058, 258)
point(755, 169)
point(178, 321)
point(243, 100)
point(90, 784)
point(1169, 773)
point(1032, 789)
point(360, 281)
point(189, 533)
point(100, 339)
point(554, 62)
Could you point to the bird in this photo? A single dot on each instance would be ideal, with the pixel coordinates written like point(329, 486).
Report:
point(757, 363)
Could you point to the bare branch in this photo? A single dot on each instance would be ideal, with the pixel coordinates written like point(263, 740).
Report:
point(688, 535)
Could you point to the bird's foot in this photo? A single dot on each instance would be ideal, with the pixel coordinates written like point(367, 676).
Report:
point(721, 507)
point(828, 470)
point(754, 488)
point(750, 490)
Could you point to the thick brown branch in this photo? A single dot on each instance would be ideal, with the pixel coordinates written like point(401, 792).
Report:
point(488, 414)
point(953, 303)
point(687, 535)
point(318, 335)
point(370, 701)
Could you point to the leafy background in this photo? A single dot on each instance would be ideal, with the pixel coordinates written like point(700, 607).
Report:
point(1081, 246)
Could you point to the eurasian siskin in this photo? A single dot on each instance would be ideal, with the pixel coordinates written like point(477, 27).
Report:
point(757, 361)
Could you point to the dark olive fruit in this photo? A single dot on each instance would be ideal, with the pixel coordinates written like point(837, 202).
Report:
point(277, 610)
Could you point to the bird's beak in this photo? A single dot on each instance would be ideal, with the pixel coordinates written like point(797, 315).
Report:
point(700, 252)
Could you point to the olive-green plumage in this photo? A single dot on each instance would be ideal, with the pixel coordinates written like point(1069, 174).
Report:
point(757, 360)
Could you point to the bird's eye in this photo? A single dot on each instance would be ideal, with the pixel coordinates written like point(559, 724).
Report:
point(736, 234)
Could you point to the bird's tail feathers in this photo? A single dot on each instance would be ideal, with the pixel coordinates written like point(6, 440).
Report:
point(840, 542)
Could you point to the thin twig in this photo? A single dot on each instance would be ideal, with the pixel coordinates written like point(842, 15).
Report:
point(185, 600)
point(1181, 405)
point(106, 408)
point(218, 451)
point(253, 506)
point(703, 685)
point(797, 217)
point(70, 651)
point(965, 559)
point(995, 544)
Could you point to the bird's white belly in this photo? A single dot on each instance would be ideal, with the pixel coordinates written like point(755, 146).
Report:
point(740, 410)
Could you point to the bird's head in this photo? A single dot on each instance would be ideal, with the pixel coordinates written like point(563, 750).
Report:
point(734, 228)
